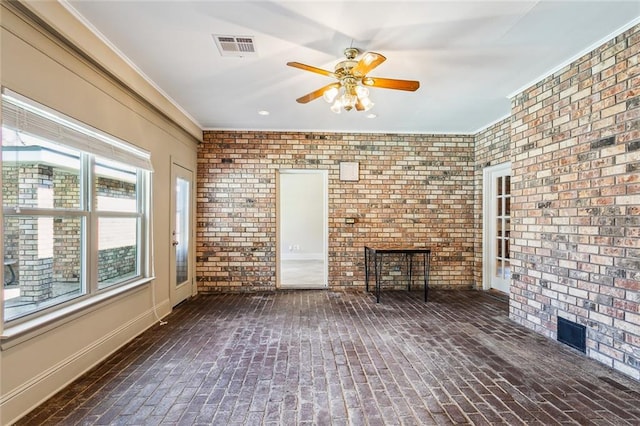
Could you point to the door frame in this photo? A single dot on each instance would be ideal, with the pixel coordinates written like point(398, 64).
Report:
point(325, 220)
point(181, 292)
point(488, 223)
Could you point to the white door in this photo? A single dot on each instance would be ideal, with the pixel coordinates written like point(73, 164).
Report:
point(302, 228)
point(497, 227)
point(181, 265)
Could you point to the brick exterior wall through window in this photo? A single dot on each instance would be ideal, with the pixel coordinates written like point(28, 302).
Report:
point(36, 282)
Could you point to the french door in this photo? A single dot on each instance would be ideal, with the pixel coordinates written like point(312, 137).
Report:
point(181, 265)
point(497, 227)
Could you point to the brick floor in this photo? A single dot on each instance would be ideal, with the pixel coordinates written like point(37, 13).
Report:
point(323, 357)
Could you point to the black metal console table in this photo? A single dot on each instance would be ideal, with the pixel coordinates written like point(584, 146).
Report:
point(376, 255)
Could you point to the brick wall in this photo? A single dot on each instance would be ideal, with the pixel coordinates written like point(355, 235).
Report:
point(116, 263)
point(35, 252)
point(413, 189)
point(67, 231)
point(115, 188)
point(575, 142)
point(10, 234)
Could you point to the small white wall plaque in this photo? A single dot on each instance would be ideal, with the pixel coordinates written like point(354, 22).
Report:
point(349, 171)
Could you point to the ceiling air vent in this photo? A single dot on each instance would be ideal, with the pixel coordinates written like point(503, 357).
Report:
point(235, 45)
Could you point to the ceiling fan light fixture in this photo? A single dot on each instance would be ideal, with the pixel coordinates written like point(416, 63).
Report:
point(362, 92)
point(348, 100)
point(366, 104)
point(349, 91)
point(330, 94)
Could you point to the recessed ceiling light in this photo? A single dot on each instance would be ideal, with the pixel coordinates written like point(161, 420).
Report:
point(263, 112)
point(372, 115)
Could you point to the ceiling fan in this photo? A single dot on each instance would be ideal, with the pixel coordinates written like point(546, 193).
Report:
point(350, 91)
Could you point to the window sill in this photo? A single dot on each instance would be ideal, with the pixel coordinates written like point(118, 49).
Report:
point(19, 333)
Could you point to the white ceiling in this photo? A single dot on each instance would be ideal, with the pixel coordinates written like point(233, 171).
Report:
point(468, 56)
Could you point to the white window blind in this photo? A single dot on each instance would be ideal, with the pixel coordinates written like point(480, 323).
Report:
point(27, 116)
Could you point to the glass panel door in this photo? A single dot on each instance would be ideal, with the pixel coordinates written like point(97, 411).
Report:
point(503, 223)
point(497, 227)
point(181, 241)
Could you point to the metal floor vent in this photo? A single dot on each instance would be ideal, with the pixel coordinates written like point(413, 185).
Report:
point(572, 334)
point(238, 46)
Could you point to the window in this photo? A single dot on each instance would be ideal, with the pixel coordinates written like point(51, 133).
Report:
point(75, 205)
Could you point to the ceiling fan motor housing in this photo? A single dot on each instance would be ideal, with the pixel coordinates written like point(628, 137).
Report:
point(343, 68)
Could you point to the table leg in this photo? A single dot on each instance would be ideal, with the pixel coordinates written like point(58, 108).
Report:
point(377, 260)
point(366, 269)
point(410, 256)
point(427, 260)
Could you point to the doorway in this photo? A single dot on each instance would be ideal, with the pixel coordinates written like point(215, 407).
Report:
point(497, 227)
point(181, 266)
point(302, 211)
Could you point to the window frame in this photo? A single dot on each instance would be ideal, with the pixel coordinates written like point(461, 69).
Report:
point(89, 287)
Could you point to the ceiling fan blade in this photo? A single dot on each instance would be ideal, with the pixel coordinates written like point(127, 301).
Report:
point(311, 68)
point(316, 93)
point(390, 83)
point(369, 61)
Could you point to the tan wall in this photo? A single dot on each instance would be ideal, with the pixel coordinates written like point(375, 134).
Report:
point(35, 365)
point(414, 190)
point(575, 143)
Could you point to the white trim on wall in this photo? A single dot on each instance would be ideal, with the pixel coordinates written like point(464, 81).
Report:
point(572, 59)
